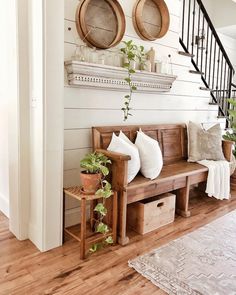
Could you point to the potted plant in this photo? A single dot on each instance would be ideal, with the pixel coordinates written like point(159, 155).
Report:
point(95, 167)
point(94, 181)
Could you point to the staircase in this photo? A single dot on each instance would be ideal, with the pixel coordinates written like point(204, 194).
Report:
point(201, 42)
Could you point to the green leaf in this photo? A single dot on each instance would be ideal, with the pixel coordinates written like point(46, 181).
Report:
point(134, 88)
point(131, 71)
point(104, 170)
point(232, 101)
point(128, 80)
point(105, 192)
point(127, 96)
point(131, 55)
point(109, 240)
point(100, 208)
point(102, 228)
point(93, 248)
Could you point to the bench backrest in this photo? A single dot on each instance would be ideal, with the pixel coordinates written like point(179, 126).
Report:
point(172, 138)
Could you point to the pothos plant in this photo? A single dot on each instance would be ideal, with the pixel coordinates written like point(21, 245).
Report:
point(104, 192)
point(131, 52)
point(97, 162)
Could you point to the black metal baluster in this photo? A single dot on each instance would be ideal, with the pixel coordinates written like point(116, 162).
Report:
point(206, 53)
point(202, 42)
point(183, 20)
point(209, 81)
point(221, 82)
point(214, 65)
point(193, 24)
point(198, 33)
point(218, 70)
point(188, 32)
point(225, 89)
point(228, 82)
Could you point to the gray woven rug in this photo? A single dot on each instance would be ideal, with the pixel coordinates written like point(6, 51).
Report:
point(202, 262)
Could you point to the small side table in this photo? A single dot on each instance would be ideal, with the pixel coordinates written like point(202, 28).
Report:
point(75, 192)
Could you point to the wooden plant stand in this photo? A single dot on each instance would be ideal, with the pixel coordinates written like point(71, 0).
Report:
point(75, 192)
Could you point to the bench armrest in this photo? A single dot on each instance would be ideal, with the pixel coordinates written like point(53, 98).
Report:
point(114, 156)
point(119, 169)
point(227, 146)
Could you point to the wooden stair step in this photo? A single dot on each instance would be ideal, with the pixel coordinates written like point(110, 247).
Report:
point(186, 54)
point(205, 88)
point(222, 117)
point(196, 72)
point(214, 103)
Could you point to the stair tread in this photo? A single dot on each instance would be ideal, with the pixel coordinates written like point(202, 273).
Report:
point(186, 53)
point(214, 103)
point(195, 72)
point(205, 88)
point(222, 117)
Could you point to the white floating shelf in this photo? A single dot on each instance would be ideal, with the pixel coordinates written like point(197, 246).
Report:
point(88, 75)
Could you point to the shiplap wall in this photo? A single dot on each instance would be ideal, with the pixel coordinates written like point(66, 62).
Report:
point(85, 108)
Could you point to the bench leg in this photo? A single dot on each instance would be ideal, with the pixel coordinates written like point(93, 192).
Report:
point(182, 200)
point(114, 223)
point(123, 239)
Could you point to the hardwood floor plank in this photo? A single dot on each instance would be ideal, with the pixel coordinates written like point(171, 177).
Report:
point(24, 270)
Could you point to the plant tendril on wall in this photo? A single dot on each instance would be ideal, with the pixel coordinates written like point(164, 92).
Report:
point(130, 52)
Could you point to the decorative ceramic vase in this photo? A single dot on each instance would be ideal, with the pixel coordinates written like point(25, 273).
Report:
point(90, 182)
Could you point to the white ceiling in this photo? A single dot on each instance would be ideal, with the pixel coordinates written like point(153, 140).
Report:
point(229, 31)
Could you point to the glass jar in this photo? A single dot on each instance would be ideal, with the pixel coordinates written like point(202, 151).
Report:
point(93, 57)
point(158, 66)
point(148, 66)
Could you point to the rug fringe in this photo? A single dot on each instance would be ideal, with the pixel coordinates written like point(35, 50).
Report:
point(149, 277)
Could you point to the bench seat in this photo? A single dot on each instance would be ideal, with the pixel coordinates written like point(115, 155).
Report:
point(172, 177)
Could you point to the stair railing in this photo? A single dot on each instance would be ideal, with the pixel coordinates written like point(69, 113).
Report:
point(200, 39)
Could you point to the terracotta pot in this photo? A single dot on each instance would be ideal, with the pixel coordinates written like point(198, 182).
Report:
point(90, 182)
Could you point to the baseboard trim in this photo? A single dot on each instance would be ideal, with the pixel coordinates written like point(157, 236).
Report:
point(4, 205)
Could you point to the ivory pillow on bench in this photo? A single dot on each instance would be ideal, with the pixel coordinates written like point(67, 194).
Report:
point(150, 155)
point(204, 144)
point(120, 145)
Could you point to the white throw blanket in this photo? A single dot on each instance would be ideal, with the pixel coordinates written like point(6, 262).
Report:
point(218, 180)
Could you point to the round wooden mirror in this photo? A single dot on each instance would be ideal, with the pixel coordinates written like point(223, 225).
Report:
point(100, 23)
point(151, 19)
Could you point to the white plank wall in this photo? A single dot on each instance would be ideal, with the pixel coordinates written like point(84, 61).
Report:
point(85, 108)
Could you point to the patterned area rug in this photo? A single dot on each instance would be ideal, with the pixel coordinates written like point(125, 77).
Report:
point(202, 262)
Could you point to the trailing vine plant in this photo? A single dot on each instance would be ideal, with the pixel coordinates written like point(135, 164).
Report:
point(104, 192)
point(130, 52)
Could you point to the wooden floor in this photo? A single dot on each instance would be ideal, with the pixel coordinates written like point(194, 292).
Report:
point(24, 270)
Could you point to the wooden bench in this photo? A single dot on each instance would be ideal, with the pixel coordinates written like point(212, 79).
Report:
point(177, 174)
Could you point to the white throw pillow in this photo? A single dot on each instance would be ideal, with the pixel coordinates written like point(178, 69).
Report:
point(119, 145)
point(150, 155)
